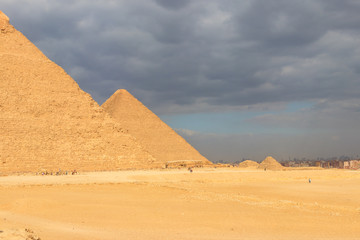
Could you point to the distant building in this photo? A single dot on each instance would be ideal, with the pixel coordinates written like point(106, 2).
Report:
point(354, 164)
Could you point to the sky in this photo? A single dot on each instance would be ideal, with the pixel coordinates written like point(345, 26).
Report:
point(237, 79)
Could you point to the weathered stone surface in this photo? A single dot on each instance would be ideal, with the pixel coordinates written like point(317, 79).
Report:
point(152, 133)
point(48, 123)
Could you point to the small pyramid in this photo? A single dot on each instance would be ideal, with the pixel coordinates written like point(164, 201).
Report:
point(248, 164)
point(48, 123)
point(153, 134)
point(270, 163)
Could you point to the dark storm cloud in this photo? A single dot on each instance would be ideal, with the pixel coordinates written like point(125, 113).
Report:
point(183, 56)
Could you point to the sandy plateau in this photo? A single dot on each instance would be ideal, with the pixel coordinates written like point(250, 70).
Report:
point(209, 203)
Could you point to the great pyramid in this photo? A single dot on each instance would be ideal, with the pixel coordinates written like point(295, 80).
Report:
point(154, 135)
point(248, 164)
point(270, 163)
point(48, 123)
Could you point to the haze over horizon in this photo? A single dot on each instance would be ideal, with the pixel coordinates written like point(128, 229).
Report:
point(237, 79)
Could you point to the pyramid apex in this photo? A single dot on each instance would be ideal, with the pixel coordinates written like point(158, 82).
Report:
point(122, 91)
point(4, 22)
point(269, 158)
point(118, 97)
point(3, 17)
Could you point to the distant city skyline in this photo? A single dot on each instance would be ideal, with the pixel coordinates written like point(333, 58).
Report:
point(237, 79)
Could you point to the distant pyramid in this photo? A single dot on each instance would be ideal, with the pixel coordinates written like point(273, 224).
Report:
point(48, 123)
point(270, 163)
point(153, 134)
point(248, 164)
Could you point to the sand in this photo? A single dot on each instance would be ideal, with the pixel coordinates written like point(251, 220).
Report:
point(177, 204)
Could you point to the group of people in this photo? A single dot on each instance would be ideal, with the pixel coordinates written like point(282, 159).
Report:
point(59, 172)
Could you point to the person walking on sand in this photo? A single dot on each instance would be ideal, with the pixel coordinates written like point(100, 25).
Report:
point(309, 180)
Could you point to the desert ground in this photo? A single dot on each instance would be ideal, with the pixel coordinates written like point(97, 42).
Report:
point(222, 203)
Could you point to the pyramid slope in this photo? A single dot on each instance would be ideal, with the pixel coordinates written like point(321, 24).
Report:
point(270, 163)
point(48, 122)
point(248, 164)
point(153, 134)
